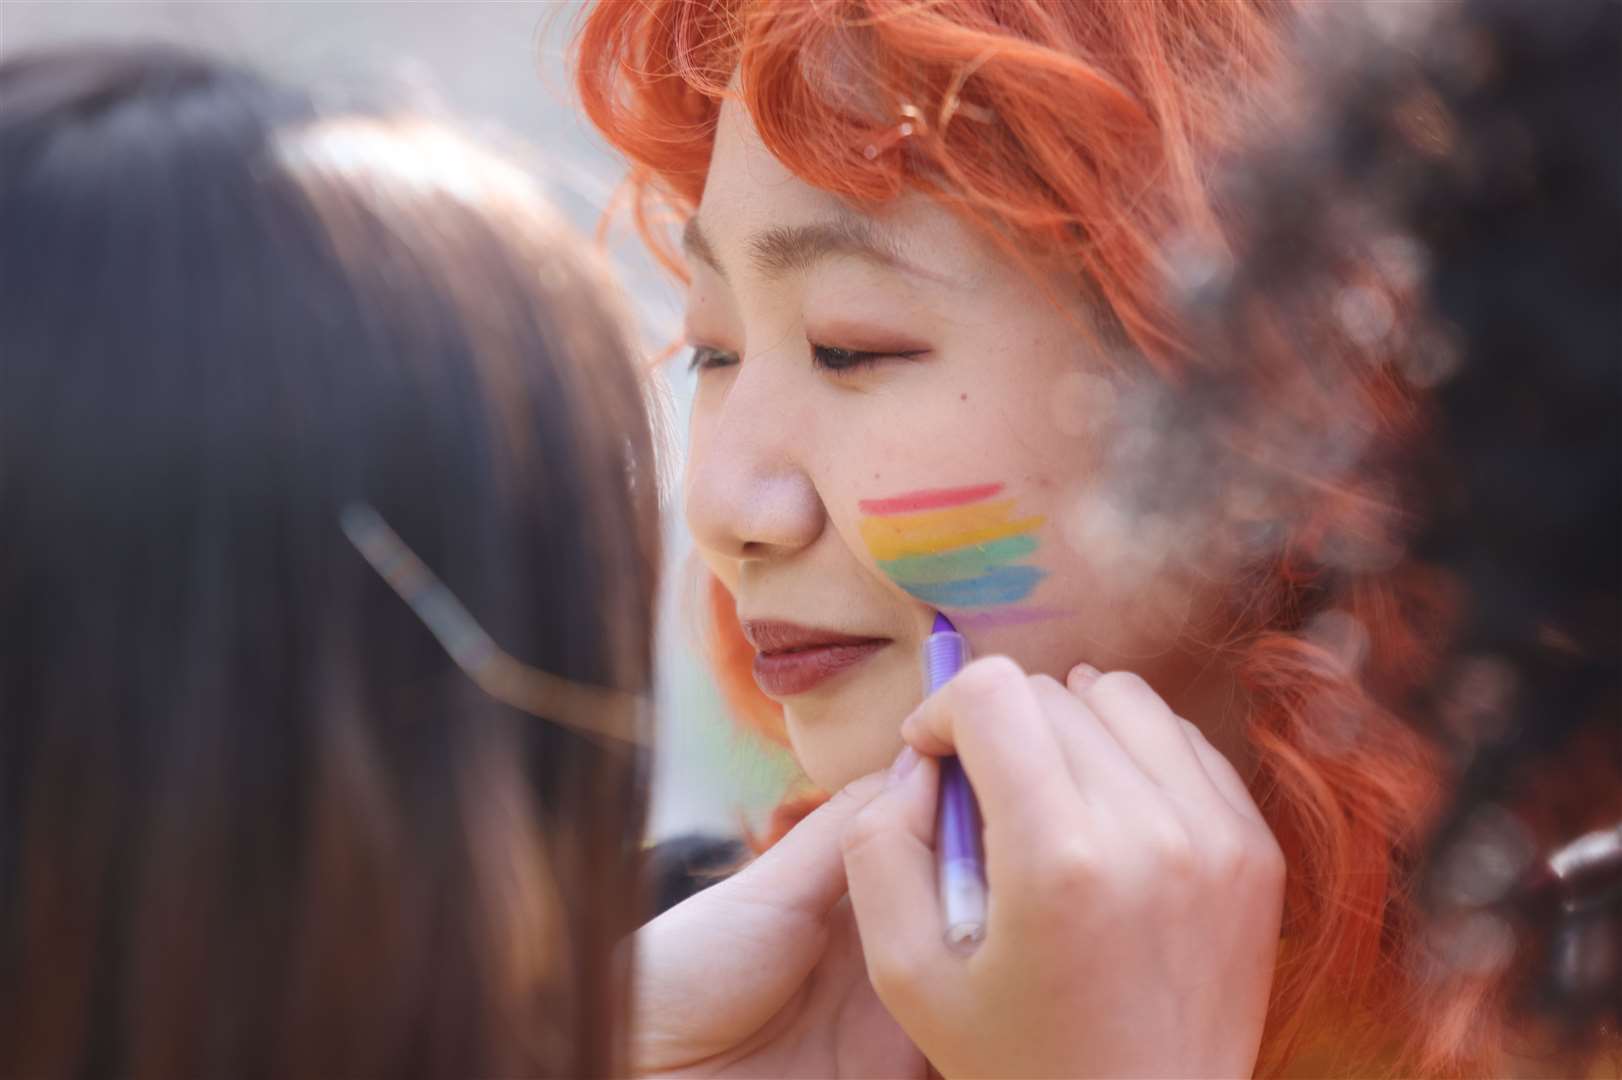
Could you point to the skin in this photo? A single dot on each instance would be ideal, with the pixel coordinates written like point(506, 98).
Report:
point(981, 379)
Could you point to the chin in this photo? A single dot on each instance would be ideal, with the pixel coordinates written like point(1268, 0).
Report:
point(845, 736)
point(831, 767)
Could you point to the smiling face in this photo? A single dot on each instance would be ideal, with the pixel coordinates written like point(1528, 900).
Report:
point(891, 418)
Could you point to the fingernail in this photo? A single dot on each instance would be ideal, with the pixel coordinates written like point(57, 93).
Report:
point(1082, 676)
point(904, 763)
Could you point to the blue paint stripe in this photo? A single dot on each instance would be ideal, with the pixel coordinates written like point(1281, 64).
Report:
point(958, 563)
point(1004, 585)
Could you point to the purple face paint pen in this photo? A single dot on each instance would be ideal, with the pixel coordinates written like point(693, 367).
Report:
point(961, 865)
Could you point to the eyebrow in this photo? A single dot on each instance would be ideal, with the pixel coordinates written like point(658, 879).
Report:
point(783, 249)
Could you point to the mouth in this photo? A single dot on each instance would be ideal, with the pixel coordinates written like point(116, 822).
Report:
point(791, 659)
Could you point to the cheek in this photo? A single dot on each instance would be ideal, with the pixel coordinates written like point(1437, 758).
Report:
point(968, 548)
point(966, 515)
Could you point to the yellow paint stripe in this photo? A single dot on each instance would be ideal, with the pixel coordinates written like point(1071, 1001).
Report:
point(888, 541)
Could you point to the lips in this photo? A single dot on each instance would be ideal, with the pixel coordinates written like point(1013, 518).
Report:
point(791, 659)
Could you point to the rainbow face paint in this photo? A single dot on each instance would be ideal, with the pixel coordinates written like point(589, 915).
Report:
point(955, 547)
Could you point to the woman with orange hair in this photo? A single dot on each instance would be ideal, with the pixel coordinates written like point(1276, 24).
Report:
point(939, 370)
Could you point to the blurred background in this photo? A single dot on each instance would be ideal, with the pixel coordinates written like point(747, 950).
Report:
point(499, 68)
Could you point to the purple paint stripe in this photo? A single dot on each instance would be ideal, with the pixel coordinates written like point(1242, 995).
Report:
point(1015, 616)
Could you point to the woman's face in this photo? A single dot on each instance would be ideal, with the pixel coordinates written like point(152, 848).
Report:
point(892, 419)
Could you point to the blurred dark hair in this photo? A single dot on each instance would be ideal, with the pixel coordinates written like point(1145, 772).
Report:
point(1455, 208)
point(253, 820)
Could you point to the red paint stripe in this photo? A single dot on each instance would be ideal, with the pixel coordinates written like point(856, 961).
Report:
point(934, 499)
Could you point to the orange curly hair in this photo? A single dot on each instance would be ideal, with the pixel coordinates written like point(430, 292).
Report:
point(1088, 132)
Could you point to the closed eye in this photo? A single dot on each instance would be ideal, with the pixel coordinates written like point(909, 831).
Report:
point(837, 361)
point(827, 358)
point(705, 358)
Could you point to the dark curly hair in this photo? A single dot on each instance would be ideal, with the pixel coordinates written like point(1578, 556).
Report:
point(1457, 201)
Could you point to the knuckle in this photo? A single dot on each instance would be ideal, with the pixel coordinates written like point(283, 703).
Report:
point(1225, 853)
point(1046, 684)
point(1247, 855)
point(991, 676)
point(1055, 698)
point(885, 972)
point(1266, 858)
point(1050, 694)
point(865, 830)
point(1068, 877)
point(850, 797)
point(1173, 847)
point(895, 973)
point(1121, 687)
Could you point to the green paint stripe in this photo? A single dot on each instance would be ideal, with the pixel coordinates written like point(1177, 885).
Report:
point(958, 563)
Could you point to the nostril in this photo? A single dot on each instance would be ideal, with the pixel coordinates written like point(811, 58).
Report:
point(748, 492)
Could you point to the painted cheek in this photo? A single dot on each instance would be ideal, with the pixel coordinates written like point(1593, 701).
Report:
point(963, 548)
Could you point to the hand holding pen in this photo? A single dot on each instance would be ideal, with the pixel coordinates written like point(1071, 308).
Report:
point(1134, 889)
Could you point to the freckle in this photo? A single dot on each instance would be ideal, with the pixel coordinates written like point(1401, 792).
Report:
point(963, 397)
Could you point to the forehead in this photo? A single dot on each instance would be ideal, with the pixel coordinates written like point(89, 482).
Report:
point(748, 187)
point(749, 193)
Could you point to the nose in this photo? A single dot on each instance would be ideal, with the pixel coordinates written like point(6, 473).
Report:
point(748, 492)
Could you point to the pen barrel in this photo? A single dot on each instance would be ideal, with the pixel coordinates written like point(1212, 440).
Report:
point(945, 654)
point(960, 860)
point(961, 865)
point(957, 824)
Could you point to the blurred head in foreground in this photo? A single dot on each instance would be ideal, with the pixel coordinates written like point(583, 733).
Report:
point(1475, 170)
point(254, 819)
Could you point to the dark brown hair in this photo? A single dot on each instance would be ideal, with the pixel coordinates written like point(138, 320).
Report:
point(1455, 197)
point(253, 819)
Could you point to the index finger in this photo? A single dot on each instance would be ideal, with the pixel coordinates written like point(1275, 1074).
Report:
point(989, 716)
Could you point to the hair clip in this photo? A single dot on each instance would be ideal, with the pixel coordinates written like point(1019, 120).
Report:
point(913, 122)
point(594, 711)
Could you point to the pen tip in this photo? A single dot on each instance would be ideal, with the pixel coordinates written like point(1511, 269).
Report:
point(943, 625)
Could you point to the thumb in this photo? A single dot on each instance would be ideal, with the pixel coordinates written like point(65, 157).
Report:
point(716, 967)
point(890, 862)
point(804, 870)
